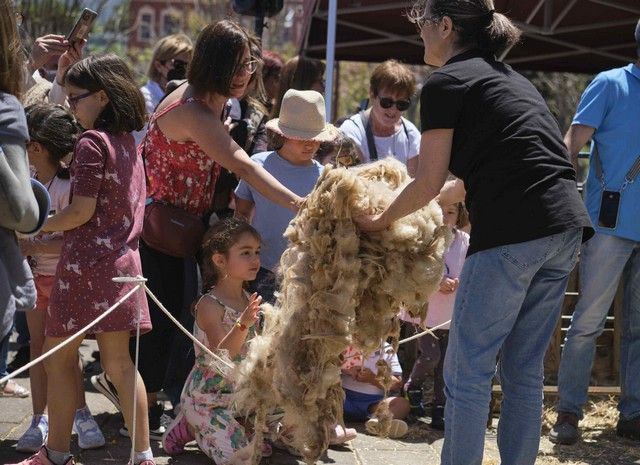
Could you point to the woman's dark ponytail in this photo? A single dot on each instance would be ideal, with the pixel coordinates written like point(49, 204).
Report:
point(476, 22)
point(499, 35)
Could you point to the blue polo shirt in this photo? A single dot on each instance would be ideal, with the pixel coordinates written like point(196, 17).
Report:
point(611, 105)
point(270, 219)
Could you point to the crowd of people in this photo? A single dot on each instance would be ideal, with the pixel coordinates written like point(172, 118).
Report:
point(232, 138)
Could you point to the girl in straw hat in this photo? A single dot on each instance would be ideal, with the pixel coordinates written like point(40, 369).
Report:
point(301, 127)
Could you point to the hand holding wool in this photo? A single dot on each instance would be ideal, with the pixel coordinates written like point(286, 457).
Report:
point(449, 285)
point(365, 375)
point(370, 223)
point(249, 316)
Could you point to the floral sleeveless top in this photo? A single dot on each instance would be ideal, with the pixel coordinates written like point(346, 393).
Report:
point(179, 173)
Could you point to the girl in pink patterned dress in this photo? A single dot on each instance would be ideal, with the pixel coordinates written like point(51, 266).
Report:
point(101, 227)
point(53, 133)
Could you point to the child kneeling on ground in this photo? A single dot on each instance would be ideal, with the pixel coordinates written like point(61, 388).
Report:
point(364, 393)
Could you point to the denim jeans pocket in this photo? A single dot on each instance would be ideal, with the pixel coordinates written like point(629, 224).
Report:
point(525, 254)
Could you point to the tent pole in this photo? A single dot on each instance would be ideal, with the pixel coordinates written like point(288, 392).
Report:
point(331, 53)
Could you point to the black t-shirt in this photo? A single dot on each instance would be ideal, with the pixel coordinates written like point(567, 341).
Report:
point(507, 149)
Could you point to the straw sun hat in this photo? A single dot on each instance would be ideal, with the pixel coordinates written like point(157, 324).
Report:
point(302, 117)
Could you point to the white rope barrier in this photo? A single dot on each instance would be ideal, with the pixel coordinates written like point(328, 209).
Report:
point(426, 331)
point(132, 456)
point(71, 338)
point(188, 333)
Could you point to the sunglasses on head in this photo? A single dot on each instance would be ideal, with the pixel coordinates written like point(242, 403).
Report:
point(401, 105)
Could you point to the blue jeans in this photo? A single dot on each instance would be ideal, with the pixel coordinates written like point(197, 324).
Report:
point(604, 259)
point(4, 354)
point(508, 301)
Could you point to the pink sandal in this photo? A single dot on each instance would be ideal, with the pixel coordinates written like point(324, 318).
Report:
point(340, 435)
point(177, 436)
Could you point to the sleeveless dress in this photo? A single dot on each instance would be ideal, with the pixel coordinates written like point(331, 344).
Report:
point(206, 400)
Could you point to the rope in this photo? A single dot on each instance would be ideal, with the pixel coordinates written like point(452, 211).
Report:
point(426, 331)
point(221, 360)
point(67, 341)
point(132, 457)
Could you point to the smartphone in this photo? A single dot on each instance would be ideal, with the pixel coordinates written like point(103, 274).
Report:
point(82, 26)
point(609, 207)
point(227, 110)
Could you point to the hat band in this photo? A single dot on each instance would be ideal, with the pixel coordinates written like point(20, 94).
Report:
point(286, 127)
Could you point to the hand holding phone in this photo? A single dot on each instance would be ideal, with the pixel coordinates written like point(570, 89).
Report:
point(82, 26)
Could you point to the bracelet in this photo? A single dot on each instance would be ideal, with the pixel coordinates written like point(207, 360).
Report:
point(239, 324)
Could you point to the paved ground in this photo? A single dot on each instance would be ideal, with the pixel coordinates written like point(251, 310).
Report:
point(421, 446)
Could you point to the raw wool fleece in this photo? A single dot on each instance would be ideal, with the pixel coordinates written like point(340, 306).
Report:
point(339, 287)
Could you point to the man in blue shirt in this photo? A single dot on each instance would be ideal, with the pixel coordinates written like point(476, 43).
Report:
point(609, 115)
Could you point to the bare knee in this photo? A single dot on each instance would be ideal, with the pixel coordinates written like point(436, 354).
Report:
point(399, 407)
point(62, 361)
point(117, 367)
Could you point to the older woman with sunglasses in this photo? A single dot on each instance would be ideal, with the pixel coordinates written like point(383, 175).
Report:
point(381, 131)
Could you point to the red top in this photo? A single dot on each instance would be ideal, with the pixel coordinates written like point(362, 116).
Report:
point(178, 173)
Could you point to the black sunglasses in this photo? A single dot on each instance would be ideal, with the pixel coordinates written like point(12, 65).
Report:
point(175, 62)
point(401, 105)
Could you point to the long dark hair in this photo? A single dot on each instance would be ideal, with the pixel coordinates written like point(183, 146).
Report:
point(219, 239)
point(475, 21)
point(126, 110)
point(297, 73)
point(216, 57)
point(55, 129)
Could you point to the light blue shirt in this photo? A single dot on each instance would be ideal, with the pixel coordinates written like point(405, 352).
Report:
point(270, 219)
point(398, 145)
point(611, 105)
point(152, 93)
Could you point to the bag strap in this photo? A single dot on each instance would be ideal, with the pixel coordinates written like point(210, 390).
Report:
point(631, 175)
point(371, 144)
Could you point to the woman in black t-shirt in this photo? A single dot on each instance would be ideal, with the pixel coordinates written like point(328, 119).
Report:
point(488, 126)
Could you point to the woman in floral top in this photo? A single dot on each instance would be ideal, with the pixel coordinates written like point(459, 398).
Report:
point(185, 147)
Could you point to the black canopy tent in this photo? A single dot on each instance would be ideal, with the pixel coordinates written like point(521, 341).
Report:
point(584, 36)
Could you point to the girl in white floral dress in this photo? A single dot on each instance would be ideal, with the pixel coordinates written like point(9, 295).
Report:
point(225, 319)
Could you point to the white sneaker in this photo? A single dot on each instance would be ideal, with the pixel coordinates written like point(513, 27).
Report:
point(89, 434)
point(102, 384)
point(397, 429)
point(35, 436)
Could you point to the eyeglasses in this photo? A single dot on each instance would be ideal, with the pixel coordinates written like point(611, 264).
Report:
point(73, 101)
point(248, 67)
point(429, 21)
point(401, 105)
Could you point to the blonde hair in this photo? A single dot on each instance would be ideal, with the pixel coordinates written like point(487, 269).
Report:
point(167, 48)
point(11, 52)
